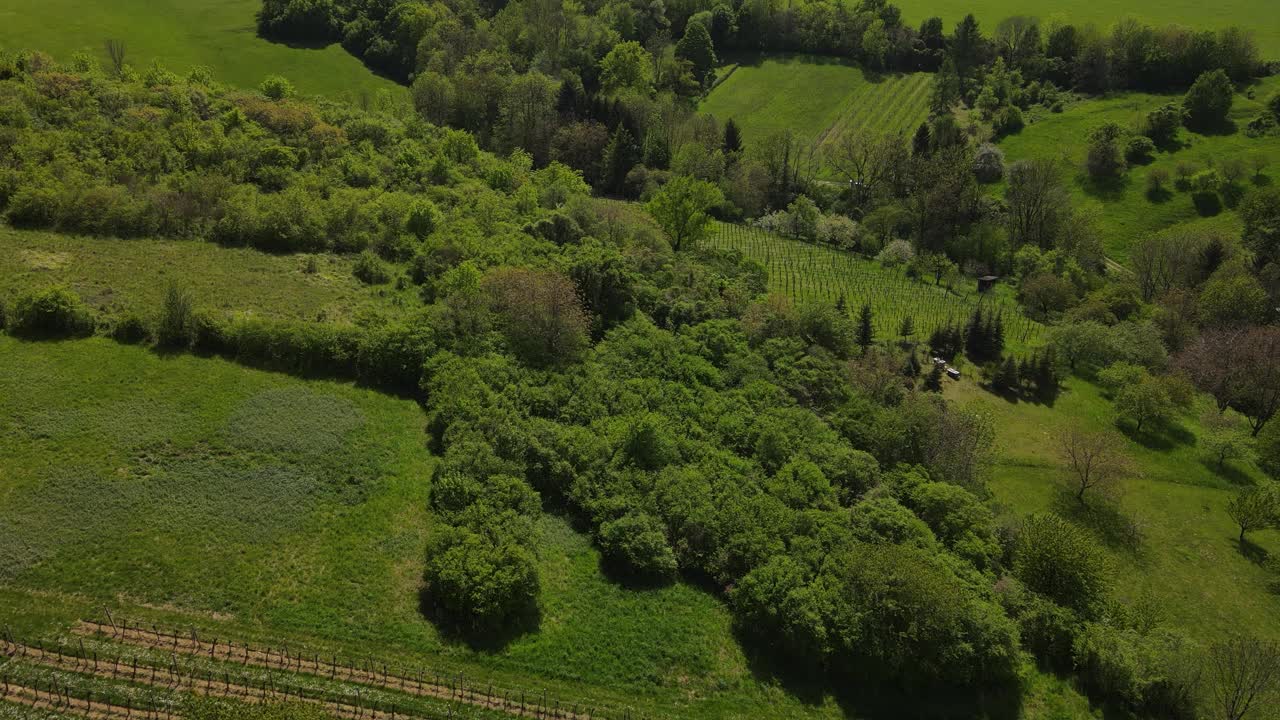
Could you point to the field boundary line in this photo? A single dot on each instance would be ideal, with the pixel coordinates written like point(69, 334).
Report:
point(443, 687)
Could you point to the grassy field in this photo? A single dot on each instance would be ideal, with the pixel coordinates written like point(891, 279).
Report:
point(818, 98)
point(220, 34)
point(196, 492)
point(1124, 210)
point(813, 272)
point(114, 274)
point(1188, 557)
point(1190, 13)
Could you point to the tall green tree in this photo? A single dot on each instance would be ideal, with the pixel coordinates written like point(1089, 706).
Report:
point(732, 137)
point(1208, 100)
point(628, 66)
point(866, 332)
point(697, 48)
point(619, 158)
point(681, 209)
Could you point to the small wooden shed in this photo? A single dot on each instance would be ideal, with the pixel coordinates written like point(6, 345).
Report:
point(986, 282)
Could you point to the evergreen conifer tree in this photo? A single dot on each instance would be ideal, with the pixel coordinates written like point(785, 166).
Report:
point(866, 333)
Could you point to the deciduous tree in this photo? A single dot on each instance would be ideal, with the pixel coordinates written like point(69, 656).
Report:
point(681, 209)
point(1244, 674)
point(1255, 508)
point(1094, 461)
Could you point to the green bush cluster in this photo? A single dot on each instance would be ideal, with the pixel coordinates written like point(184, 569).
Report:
point(480, 573)
point(49, 313)
point(737, 472)
point(86, 153)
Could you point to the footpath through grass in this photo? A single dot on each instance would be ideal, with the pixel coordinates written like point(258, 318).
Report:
point(818, 98)
point(219, 34)
point(1125, 210)
point(1257, 16)
point(1185, 556)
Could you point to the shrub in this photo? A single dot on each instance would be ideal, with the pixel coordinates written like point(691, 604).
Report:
point(637, 544)
point(1261, 126)
point(1049, 632)
point(898, 252)
point(176, 326)
point(423, 218)
point(371, 270)
point(840, 231)
point(1146, 673)
point(1104, 159)
point(1008, 121)
point(1120, 375)
point(988, 163)
point(1139, 150)
point(276, 87)
point(1162, 124)
point(480, 582)
point(1062, 562)
point(129, 328)
point(1157, 183)
point(1208, 100)
point(52, 312)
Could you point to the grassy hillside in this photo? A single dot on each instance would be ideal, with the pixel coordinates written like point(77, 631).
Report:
point(220, 34)
point(1199, 15)
point(818, 98)
point(264, 506)
point(115, 274)
point(1124, 210)
point(1187, 557)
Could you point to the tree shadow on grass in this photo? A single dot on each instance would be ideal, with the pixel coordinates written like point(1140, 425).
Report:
point(1162, 437)
point(874, 695)
point(1117, 529)
point(1106, 188)
point(628, 579)
point(1251, 551)
point(1160, 195)
point(485, 640)
point(1262, 180)
point(1228, 472)
point(1215, 129)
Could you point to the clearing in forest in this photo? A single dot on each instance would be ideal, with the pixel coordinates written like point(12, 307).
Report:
point(1127, 208)
point(818, 98)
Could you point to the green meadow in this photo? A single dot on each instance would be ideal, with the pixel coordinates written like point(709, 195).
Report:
point(219, 34)
point(817, 98)
point(193, 491)
point(1255, 15)
point(1124, 210)
point(118, 275)
point(1168, 534)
